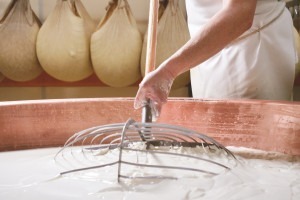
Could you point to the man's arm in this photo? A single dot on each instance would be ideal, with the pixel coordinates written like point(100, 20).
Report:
point(229, 23)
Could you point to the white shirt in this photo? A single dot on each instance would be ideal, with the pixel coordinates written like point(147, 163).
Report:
point(260, 66)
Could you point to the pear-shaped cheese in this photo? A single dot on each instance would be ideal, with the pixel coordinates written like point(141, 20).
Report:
point(63, 43)
point(116, 46)
point(172, 33)
point(18, 32)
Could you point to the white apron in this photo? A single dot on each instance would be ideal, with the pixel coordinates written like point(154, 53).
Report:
point(259, 65)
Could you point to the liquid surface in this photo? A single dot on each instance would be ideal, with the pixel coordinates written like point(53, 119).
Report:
point(35, 174)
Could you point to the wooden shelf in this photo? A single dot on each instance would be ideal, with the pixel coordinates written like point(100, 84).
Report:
point(44, 80)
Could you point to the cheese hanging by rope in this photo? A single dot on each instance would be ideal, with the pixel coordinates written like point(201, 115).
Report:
point(63, 43)
point(116, 46)
point(19, 27)
point(172, 33)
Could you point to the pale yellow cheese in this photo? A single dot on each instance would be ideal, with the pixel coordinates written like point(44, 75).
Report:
point(63, 44)
point(19, 27)
point(116, 47)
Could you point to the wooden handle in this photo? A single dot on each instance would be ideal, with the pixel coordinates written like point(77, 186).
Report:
point(151, 52)
point(152, 36)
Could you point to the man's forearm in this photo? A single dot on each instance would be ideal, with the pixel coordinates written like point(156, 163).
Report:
point(233, 20)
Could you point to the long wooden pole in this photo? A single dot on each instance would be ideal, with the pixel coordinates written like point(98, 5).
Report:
point(151, 51)
point(152, 36)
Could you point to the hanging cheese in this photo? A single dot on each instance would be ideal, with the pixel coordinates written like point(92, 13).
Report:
point(18, 32)
point(172, 33)
point(297, 41)
point(63, 44)
point(116, 46)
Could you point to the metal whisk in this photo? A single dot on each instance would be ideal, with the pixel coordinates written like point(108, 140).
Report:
point(94, 143)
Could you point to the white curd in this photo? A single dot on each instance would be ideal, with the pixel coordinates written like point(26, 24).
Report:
point(259, 175)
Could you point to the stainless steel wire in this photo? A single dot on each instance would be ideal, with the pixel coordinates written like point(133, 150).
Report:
point(157, 139)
